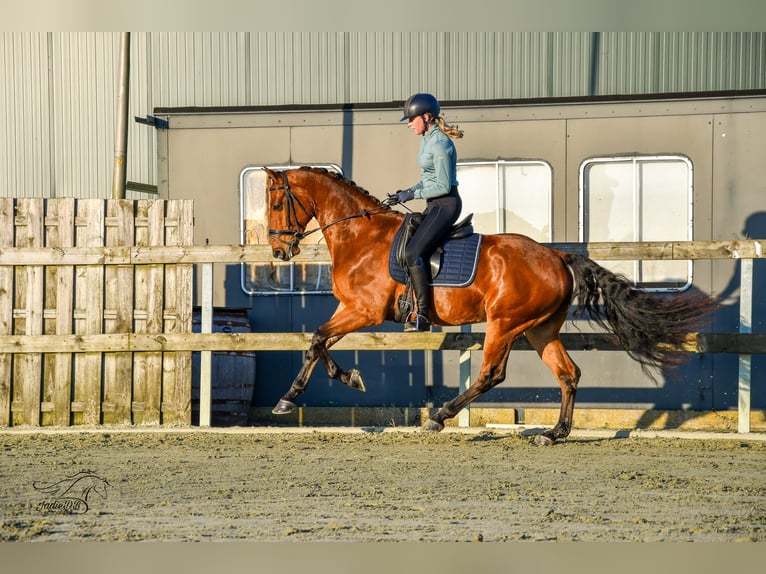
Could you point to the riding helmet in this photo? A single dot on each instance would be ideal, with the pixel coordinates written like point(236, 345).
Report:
point(419, 104)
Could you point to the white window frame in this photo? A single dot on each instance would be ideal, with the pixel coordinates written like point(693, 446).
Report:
point(498, 164)
point(291, 288)
point(635, 159)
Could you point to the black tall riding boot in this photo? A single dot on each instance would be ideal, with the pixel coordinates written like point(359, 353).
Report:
point(419, 278)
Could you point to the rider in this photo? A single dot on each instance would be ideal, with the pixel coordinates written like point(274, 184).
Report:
point(438, 186)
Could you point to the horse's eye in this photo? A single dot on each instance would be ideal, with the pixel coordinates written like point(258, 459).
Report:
point(276, 206)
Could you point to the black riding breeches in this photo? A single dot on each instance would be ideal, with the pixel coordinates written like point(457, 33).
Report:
point(438, 218)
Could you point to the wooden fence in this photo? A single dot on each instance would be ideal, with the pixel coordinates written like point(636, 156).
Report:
point(62, 278)
point(96, 309)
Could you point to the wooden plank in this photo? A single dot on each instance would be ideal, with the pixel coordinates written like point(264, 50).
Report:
point(7, 208)
point(147, 366)
point(175, 254)
point(118, 314)
point(185, 307)
point(734, 343)
point(59, 293)
point(176, 402)
point(173, 342)
point(88, 313)
point(29, 293)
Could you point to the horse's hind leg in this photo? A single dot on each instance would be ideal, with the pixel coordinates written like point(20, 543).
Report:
point(548, 345)
point(497, 345)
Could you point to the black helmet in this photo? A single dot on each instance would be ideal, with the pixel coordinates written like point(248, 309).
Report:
point(420, 104)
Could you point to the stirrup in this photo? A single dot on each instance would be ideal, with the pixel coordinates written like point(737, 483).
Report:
point(420, 323)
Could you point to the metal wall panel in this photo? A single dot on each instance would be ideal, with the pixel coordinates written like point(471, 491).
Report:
point(24, 116)
point(58, 90)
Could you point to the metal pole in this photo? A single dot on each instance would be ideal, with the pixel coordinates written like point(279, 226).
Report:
point(745, 327)
point(121, 129)
point(206, 357)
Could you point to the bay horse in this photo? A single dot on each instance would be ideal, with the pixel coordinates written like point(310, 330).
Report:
point(521, 287)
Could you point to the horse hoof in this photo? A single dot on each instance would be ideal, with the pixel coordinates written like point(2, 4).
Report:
point(432, 426)
point(543, 440)
point(355, 380)
point(283, 407)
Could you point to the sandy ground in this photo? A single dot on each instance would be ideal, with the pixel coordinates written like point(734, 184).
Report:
point(324, 485)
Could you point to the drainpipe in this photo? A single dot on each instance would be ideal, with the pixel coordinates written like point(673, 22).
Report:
point(121, 129)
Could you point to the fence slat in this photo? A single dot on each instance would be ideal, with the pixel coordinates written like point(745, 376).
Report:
point(6, 308)
point(88, 313)
point(27, 371)
point(59, 293)
point(147, 366)
point(176, 388)
point(118, 314)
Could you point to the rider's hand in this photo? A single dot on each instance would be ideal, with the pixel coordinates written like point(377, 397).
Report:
point(404, 195)
point(391, 199)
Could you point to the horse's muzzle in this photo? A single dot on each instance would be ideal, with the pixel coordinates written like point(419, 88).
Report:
point(280, 254)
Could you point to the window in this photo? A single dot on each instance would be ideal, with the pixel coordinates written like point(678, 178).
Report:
point(508, 196)
point(641, 198)
point(276, 277)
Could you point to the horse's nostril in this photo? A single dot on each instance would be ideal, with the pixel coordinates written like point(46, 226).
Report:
point(279, 254)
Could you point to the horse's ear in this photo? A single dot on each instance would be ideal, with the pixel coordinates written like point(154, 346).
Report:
point(270, 173)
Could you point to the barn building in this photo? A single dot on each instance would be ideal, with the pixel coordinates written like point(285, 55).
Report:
point(569, 137)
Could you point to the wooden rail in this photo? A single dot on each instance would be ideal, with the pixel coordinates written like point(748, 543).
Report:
point(148, 255)
point(751, 344)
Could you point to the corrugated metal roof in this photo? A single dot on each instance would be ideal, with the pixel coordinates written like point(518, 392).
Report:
point(58, 90)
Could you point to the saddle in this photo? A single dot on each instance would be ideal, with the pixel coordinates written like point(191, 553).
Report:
point(461, 230)
point(453, 263)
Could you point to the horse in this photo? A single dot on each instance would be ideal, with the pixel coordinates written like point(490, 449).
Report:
point(521, 288)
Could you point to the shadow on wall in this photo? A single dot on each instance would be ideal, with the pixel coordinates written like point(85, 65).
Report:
point(725, 372)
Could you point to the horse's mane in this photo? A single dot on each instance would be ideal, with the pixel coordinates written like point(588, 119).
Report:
point(348, 182)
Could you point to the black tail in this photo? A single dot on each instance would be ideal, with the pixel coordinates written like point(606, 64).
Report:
point(651, 328)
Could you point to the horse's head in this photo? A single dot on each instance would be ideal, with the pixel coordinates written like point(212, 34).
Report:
point(288, 215)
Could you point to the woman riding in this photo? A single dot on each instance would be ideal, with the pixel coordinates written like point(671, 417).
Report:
point(437, 159)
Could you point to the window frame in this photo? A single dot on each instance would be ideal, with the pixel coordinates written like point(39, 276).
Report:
point(291, 289)
point(498, 190)
point(635, 159)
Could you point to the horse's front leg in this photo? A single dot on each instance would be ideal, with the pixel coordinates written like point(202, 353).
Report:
point(287, 403)
point(352, 378)
point(342, 322)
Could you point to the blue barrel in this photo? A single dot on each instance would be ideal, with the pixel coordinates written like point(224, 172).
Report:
point(232, 373)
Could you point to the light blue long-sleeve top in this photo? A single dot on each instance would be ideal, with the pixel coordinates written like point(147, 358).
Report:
point(437, 159)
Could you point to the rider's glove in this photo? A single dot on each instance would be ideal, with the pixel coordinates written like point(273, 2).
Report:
point(404, 195)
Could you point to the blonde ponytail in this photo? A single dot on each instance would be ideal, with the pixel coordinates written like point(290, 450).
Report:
point(451, 131)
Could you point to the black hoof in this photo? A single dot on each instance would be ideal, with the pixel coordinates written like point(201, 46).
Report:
point(432, 426)
point(355, 380)
point(283, 407)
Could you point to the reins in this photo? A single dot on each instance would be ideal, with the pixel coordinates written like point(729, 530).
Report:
point(292, 217)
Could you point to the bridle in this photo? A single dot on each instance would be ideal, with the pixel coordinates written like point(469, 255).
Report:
point(291, 201)
point(292, 217)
